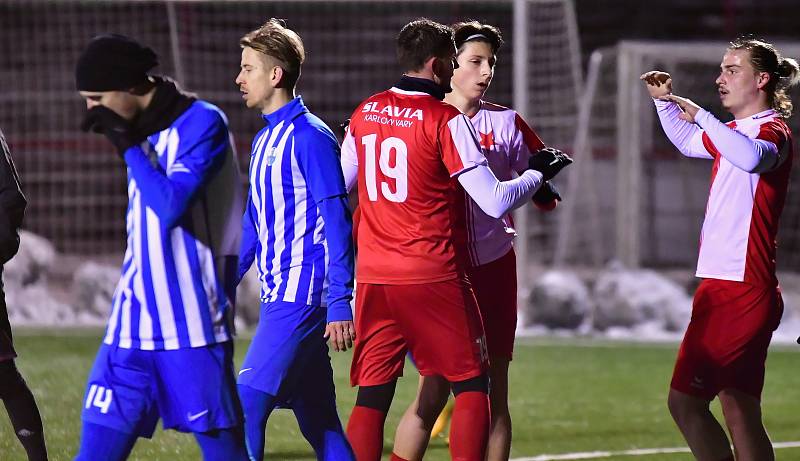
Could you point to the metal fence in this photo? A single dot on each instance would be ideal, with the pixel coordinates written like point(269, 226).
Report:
point(76, 185)
point(74, 182)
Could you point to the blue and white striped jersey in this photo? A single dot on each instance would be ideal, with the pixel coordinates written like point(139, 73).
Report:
point(296, 225)
point(184, 206)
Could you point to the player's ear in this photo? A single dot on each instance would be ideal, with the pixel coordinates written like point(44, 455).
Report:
point(277, 74)
point(434, 65)
point(762, 80)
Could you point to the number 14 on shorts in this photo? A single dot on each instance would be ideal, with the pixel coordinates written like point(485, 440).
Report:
point(99, 397)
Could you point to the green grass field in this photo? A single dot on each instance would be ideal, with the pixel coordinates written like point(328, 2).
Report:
point(566, 396)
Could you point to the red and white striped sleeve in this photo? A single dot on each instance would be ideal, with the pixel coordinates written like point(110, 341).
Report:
point(523, 144)
point(461, 150)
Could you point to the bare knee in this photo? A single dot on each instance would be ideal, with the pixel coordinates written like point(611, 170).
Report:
point(684, 407)
point(741, 410)
point(431, 398)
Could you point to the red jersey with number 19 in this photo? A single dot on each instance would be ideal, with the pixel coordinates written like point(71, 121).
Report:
point(409, 148)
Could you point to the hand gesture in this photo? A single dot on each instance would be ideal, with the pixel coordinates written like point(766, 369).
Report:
point(688, 106)
point(548, 161)
point(658, 83)
point(101, 119)
point(341, 334)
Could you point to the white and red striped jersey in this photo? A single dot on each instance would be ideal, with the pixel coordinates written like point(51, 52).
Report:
point(507, 142)
point(749, 181)
point(409, 147)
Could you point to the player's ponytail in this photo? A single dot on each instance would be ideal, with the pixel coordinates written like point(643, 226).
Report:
point(789, 70)
point(784, 72)
point(788, 74)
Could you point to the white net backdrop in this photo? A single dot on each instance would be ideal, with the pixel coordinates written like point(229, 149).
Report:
point(649, 199)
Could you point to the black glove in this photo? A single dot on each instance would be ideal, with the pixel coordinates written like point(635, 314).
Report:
point(546, 194)
point(549, 162)
point(101, 119)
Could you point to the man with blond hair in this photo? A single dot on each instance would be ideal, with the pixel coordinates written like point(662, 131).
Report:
point(297, 228)
point(738, 303)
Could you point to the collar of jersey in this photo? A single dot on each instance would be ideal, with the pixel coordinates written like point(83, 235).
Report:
point(289, 111)
point(753, 118)
point(414, 85)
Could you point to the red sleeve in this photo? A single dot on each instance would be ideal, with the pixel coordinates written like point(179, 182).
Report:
point(530, 144)
point(529, 137)
point(459, 144)
point(709, 145)
point(524, 143)
point(775, 132)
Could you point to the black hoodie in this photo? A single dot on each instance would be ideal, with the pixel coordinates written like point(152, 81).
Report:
point(12, 204)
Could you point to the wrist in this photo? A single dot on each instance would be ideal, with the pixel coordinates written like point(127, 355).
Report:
point(339, 311)
point(701, 117)
point(660, 103)
point(133, 154)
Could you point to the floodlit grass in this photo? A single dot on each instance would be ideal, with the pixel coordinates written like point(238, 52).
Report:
point(566, 396)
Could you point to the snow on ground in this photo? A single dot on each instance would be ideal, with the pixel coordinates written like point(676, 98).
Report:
point(44, 288)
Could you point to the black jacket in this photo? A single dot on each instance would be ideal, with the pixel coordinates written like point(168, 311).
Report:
point(12, 204)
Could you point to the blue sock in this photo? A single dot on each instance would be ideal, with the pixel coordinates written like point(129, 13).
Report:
point(104, 443)
point(320, 425)
point(257, 407)
point(222, 444)
point(315, 409)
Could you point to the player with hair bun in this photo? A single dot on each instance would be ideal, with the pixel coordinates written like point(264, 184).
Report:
point(738, 303)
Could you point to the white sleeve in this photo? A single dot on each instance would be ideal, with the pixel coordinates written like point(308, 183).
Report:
point(496, 198)
point(349, 160)
point(687, 137)
point(750, 155)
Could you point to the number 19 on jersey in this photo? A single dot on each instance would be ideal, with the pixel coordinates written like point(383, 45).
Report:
point(398, 172)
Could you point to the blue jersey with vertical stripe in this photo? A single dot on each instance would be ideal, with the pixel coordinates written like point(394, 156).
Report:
point(294, 166)
point(183, 219)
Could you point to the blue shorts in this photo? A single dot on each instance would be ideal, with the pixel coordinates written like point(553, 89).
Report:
point(192, 390)
point(287, 349)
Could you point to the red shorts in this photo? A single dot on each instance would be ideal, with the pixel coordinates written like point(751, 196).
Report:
point(725, 345)
point(439, 323)
point(495, 287)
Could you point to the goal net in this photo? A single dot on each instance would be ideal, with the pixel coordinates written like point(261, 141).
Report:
point(74, 182)
point(640, 201)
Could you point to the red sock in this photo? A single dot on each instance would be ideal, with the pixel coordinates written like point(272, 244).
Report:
point(469, 429)
point(365, 433)
point(397, 458)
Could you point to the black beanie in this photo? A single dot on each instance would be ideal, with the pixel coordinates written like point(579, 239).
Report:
point(113, 62)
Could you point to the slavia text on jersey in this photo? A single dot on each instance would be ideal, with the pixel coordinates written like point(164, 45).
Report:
point(389, 115)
